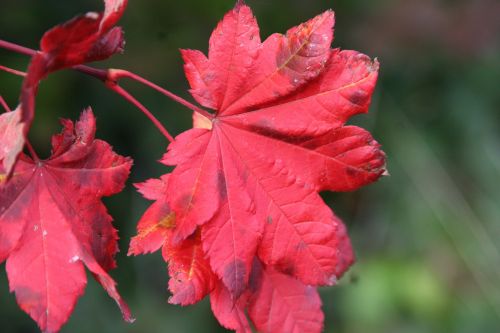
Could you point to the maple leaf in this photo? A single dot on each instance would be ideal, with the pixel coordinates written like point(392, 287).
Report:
point(268, 165)
point(53, 223)
point(248, 178)
point(85, 38)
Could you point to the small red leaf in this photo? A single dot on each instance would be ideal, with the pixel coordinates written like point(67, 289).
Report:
point(85, 38)
point(55, 223)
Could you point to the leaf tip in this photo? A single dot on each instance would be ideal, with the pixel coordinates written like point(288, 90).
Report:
point(332, 280)
point(328, 17)
point(374, 65)
point(239, 3)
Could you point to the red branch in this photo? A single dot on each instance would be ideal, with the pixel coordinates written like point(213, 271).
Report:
point(113, 75)
point(16, 48)
point(12, 71)
point(4, 104)
point(117, 74)
point(126, 95)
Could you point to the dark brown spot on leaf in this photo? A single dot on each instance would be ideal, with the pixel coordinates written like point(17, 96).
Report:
point(353, 172)
point(286, 266)
point(359, 97)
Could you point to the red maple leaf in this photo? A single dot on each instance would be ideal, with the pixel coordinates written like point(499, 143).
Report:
point(247, 180)
point(53, 223)
point(85, 38)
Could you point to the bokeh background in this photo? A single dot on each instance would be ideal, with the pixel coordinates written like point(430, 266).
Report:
point(426, 238)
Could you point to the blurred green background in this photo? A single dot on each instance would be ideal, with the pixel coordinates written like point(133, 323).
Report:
point(426, 238)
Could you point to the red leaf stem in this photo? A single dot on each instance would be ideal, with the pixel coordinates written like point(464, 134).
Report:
point(12, 71)
point(4, 104)
point(112, 75)
point(116, 74)
point(128, 97)
point(16, 48)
